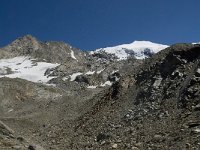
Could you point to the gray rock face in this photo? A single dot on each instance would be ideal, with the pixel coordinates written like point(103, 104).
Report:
point(151, 104)
point(58, 52)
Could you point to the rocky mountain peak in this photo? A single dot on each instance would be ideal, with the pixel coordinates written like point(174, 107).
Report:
point(28, 37)
point(55, 52)
point(27, 41)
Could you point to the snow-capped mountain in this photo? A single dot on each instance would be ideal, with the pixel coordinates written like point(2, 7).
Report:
point(138, 49)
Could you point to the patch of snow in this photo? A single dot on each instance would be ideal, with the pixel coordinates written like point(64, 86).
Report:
point(53, 85)
point(74, 75)
point(92, 87)
point(106, 83)
point(90, 72)
point(65, 78)
point(26, 68)
point(10, 110)
point(198, 70)
point(117, 79)
point(72, 55)
point(196, 43)
point(98, 72)
point(137, 47)
point(114, 71)
point(197, 130)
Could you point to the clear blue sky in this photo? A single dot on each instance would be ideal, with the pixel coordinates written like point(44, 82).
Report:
point(91, 24)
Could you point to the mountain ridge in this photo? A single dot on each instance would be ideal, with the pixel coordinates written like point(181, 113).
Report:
point(96, 100)
point(70, 62)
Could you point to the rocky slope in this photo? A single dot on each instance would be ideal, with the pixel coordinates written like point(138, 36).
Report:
point(94, 100)
point(155, 107)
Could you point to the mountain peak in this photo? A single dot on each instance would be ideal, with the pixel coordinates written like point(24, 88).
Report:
point(144, 43)
point(25, 40)
point(140, 42)
point(140, 49)
point(27, 37)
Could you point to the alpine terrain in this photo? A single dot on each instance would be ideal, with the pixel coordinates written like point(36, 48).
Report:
point(137, 96)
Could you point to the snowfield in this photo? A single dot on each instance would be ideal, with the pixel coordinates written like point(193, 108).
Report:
point(25, 68)
point(138, 48)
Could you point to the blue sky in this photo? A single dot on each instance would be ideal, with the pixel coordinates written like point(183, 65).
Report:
point(91, 24)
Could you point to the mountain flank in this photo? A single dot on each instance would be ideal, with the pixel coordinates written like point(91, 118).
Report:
point(54, 96)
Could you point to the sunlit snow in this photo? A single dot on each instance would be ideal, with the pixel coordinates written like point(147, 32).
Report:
point(25, 68)
point(72, 54)
point(65, 78)
point(98, 72)
point(90, 72)
point(106, 83)
point(74, 75)
point(137, 47)
point(92, 87)
point(114, 71)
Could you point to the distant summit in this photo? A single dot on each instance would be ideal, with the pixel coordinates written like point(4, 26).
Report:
point(138, 49)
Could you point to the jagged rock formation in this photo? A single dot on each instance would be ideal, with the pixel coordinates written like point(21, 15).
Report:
point(96, 101)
